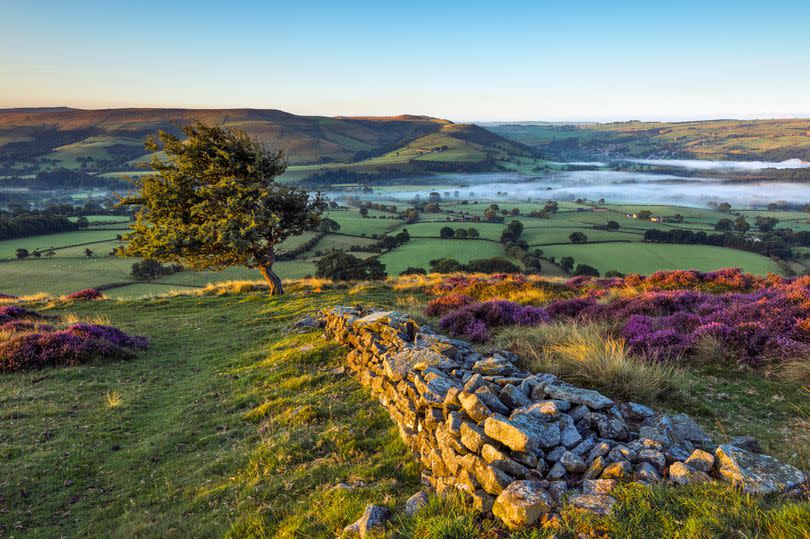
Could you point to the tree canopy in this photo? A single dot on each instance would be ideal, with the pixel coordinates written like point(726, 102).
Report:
point(213, 203)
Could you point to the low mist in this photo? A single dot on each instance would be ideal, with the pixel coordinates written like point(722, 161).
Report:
point(613, 186)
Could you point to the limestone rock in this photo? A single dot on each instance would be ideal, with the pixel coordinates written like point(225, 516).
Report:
point(521, 434)
point(474, 407)
point(598, 486)
point(513, 397)
point(700, 460)
point(655, 458)
point(595, 469)
point(681, 474)
point(755, 473)
point(573, 463)
point(494, 365)
point(617, 470)
point(473, 437)
point(521, 504)
point(374, 519)
point(492, 479)
point(633, 411)
point(498, 458)
point(646, 473)
point(415, 503)
point(592, 399)
point(600, 504)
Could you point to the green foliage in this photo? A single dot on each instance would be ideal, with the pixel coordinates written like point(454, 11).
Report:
point(446, 233)
point(496, 264)
point(214, 203)
point(148, 270)
point(446, 265)
point(578, 237)
point(724, 225)
point(410, 270)
point(346, 267)
point(567, 263)
point(22, 253)
point(586, 271)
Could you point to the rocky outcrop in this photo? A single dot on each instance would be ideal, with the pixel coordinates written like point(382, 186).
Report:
point(520, 443)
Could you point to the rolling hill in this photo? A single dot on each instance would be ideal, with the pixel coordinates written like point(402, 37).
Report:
point(99, 141)
point(769, 140)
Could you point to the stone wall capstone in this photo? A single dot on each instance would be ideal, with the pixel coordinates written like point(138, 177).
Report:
point(520, 443)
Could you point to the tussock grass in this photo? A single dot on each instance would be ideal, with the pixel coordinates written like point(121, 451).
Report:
point(797, 371)
point(586, 354)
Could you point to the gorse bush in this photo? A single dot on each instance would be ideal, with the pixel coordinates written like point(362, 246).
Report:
point(27, 342)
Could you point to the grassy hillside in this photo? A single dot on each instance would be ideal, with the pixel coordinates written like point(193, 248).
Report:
point(772, 140)
point(113, 137)
point(108, 141)
point(232, 425)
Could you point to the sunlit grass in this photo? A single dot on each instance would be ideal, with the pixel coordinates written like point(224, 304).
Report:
point(586, 354)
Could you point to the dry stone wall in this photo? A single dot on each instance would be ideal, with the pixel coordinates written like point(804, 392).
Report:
point(521, 443)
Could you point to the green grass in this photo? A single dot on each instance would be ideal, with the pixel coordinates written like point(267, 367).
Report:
point(650, 257)
point(230, 424)
point(418, 252)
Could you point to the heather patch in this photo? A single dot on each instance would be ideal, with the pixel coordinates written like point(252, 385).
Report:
point(28, 342)
point(666, 315)
point(86, 294)
point(475, 320)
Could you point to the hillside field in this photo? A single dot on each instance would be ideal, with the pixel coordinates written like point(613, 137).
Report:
point(232, 425)
point(621, 250)
point(770, 140)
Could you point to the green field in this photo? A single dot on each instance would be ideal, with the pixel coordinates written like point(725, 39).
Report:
point(716, 139)
point(418, 252)
point(621, 250)
point(647, 257)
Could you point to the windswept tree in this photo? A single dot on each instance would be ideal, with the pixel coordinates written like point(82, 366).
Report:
point(213, 203)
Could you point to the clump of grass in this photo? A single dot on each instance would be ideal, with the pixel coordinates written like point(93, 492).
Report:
point(448, 517)
point(228, 288)
point(586, 354)
point(708, 510)
point(797, 371)
point(410, 303)
point(113, 399)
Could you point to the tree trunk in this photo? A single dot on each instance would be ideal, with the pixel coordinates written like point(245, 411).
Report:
point(266, 267)
point(273, 280)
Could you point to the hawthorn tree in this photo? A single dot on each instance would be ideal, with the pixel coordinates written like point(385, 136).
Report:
point(213, 203)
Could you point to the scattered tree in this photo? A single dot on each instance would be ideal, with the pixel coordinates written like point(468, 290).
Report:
point(346, 267)
point(578, 237)
point(410, 270)
point(724, 225)
point(446, 233)
point(214, 203)
point(586, 271)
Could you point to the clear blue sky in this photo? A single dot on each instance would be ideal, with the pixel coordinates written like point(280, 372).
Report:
point(463, 60)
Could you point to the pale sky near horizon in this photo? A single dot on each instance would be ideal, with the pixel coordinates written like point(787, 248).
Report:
point(466, 61)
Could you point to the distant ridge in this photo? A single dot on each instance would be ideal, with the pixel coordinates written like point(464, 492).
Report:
point(34, 133)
